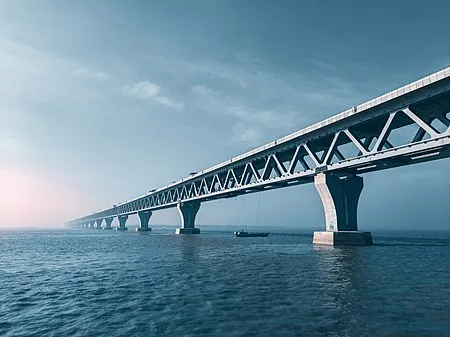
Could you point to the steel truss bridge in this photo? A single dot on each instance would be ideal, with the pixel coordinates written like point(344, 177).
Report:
point(406, 126)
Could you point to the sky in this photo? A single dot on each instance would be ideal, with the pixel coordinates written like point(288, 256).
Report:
point(101, 101)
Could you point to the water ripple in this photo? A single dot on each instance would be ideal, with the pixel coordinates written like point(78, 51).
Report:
point(92, 283)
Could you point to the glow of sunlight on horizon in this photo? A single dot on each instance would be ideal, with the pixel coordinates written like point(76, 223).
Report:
point(28, 200)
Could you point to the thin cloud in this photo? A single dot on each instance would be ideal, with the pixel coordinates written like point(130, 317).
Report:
point(266, 102)
point(241, 109)
point(324, 65)
point(202, 90)
point(150, 92)
point(250, 122)
point(43, 77)
point(169, 103)
point(244, 135)
point(143, 90)
point(88, 74)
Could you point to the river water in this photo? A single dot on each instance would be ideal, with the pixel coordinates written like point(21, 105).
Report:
point(103, 283)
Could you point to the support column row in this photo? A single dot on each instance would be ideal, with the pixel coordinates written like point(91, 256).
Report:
point(187, 211)
point(340, 197)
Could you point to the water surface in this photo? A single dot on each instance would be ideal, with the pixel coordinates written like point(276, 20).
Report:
point(100, 283)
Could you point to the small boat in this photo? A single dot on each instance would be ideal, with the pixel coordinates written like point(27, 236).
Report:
point(244, 234)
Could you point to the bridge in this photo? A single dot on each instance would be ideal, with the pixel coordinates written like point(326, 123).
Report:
point(407, 126)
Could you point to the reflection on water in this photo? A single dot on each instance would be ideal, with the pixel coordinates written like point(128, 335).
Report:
point(188, 246)
point(343, 271)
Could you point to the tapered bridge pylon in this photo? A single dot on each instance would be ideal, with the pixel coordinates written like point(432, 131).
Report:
point(340, 198)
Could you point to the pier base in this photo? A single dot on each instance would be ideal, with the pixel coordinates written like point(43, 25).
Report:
point(143, 229)
point(344, 238)
point(187, 231)
point(121, 228)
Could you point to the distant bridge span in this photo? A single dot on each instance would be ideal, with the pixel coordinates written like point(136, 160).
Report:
point(406, 126)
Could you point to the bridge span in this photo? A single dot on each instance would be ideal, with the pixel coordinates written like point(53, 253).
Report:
point(406, 126)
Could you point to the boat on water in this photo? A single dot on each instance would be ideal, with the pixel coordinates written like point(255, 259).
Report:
point(244, 234)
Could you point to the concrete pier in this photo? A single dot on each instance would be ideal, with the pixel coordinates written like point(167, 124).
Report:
point(352, 238)
point(108, 222)
point(340, 197)
point(92, 224)
point(99, 223)
point(122, 222)
point(188, 211)
point(144, 218)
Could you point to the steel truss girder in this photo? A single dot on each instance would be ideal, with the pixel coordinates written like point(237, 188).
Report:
point(244, 177)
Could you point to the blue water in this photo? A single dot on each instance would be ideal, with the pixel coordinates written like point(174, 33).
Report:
point(99, 283)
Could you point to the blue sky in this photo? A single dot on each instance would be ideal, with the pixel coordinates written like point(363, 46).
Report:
point(101, 101)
